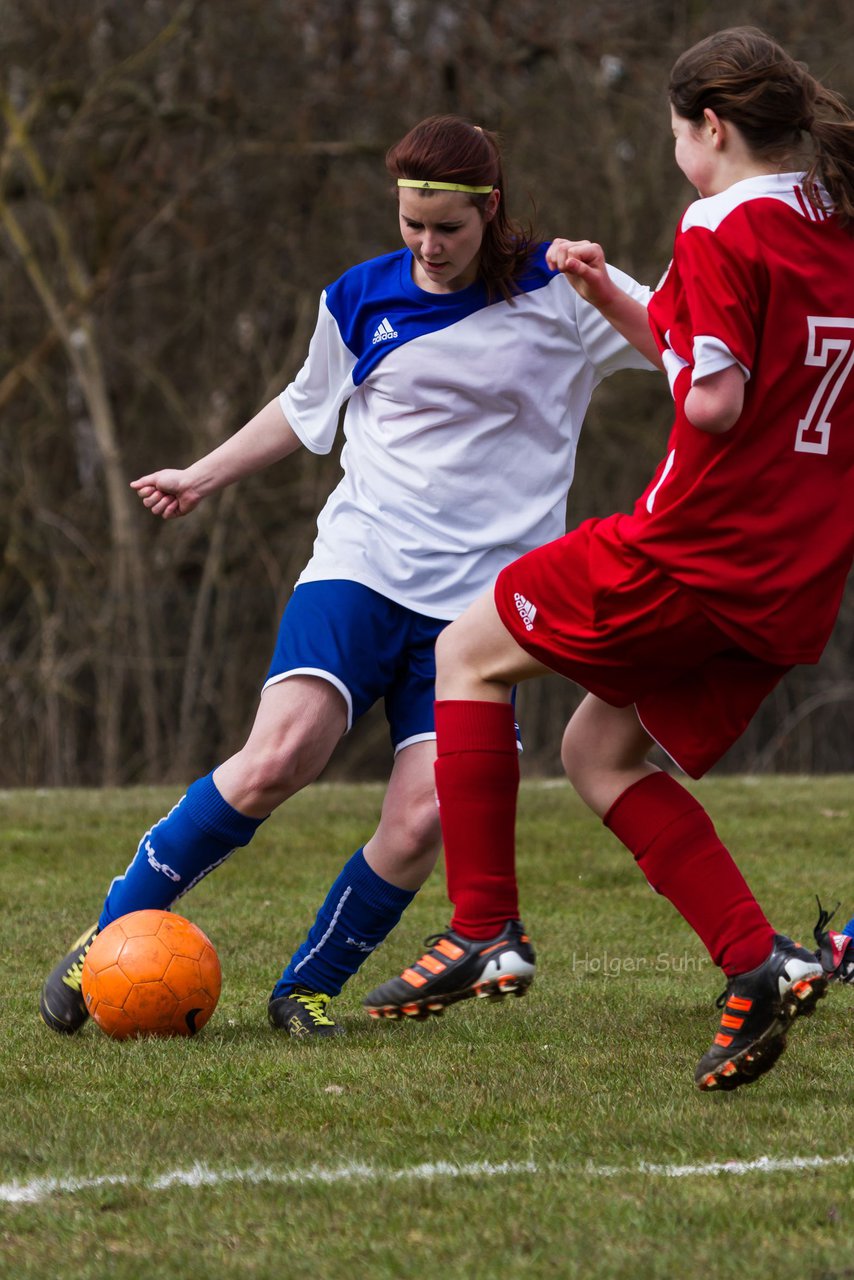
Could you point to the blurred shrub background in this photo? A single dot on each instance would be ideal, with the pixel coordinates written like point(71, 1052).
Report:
point(178, 181)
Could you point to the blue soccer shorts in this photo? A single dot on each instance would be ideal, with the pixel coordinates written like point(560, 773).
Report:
point(368, 647)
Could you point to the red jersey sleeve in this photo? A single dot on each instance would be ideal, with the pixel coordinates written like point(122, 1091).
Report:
point(707, 313)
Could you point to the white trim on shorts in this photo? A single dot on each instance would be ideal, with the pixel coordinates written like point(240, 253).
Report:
point(416, 737)
point(321, 675)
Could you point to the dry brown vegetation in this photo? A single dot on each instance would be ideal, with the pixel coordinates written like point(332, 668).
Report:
point(177, 183)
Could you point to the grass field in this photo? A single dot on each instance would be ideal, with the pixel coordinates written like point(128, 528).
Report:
point(555, 1136)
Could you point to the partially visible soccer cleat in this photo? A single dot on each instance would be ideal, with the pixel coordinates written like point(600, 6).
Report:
point(835, 950)
point(455, 968)
point(303, 1013)
point(759, 1007)
point(61, 1004)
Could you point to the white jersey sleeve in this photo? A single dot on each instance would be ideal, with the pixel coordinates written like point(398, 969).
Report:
point(606, 348)
point(312, 403)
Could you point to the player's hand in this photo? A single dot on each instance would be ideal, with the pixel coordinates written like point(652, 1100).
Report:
point(167, 494)
point(583, 264)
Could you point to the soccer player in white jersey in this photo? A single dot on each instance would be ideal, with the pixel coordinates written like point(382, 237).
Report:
point(680, 617)
point(466, 364)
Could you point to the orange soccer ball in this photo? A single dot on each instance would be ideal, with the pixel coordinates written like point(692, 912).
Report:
point(151, 973)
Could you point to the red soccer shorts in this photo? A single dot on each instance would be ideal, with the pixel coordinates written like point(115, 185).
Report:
point(599, 613)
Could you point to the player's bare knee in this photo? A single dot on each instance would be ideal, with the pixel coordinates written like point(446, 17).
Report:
point(275, 774)
point(449, 648)
point(459, 671)
point(414, 832)
point(423, 832)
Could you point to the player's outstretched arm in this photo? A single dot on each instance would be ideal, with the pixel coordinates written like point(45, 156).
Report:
point(265, 439)
point(583, 264)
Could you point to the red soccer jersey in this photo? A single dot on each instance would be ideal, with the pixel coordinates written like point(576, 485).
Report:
point(759, 521)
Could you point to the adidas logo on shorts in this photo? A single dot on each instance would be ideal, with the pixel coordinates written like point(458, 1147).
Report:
point(383, 332)
point(527, 611)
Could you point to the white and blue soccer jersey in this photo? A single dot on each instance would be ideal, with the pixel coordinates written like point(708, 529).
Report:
point(461, 427)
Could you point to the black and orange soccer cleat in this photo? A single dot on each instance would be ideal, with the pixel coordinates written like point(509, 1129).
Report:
point(835, 950)
point(61, 1004)
point(758, 1009)
point(456, 968)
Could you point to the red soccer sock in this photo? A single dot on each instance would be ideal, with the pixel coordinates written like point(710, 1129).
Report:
point(477, 780)
point(678, 850)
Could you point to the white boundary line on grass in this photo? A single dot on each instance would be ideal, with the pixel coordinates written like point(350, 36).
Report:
point(201, 1175)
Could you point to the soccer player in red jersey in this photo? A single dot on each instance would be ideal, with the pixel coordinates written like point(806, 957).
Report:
point(680, 617)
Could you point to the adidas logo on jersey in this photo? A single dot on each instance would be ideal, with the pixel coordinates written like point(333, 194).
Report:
point(527, 611)
point(384, 332)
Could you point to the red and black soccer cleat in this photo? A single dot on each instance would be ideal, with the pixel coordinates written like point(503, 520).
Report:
point(758, 1009)
point(835, 950)
point(456, 968)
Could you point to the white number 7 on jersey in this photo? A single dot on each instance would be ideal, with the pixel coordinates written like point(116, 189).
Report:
point(827, 334)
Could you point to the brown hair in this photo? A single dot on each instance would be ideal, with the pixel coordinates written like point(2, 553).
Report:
point(745, 77)
point(450, 149)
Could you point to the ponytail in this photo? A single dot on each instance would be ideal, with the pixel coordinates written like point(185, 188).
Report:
point(830, 126)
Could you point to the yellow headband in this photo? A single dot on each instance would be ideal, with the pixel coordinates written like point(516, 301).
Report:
point(443, 186)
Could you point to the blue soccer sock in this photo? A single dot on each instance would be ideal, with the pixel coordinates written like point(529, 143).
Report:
point(359, 912)
point(194, 838)
point(849, 928)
